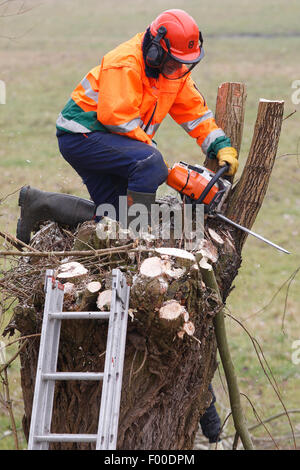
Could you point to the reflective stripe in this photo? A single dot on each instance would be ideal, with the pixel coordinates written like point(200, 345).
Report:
point(191, 125)
point(152, 129)
point(90, 93)
point(212, 136)
point(126, 127)
point(71, 125)
point(131, 125)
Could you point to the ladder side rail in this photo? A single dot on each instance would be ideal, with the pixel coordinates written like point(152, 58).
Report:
point(119, 369)
point(44, 390)
point(108, 382)
point(50, 363)
point(109, 422)
point(40, 389)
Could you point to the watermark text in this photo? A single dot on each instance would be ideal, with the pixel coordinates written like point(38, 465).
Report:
point(2, 92)
point(296, 352)
point(296, 94)
point(181, 222)
point(2, 353)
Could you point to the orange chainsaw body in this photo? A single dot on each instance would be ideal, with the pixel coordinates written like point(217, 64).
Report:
point(192, 183)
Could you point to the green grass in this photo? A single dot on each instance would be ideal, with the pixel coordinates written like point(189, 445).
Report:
point(57, 42)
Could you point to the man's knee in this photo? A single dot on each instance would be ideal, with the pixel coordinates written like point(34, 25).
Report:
point(147, 174)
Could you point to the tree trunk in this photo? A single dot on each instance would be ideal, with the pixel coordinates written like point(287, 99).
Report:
point(170, 353)
point(171, 344)
point(246, 198)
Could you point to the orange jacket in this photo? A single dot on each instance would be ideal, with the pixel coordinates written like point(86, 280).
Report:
point(119, 96)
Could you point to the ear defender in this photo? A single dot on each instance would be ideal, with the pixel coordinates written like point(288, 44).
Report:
point(155, 53)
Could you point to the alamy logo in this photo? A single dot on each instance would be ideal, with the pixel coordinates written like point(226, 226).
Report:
point(2, 353)
point(160, 221)
point(296, 94)
point(2, 92)
point(296, 353)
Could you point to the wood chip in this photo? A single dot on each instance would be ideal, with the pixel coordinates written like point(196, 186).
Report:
point(204, 264)
point(215, 236)
point(208, 251)
point(69, 288)
point(177, 252)
point(189, 328)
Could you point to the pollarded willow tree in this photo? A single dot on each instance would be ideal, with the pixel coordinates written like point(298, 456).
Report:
point(176, 301)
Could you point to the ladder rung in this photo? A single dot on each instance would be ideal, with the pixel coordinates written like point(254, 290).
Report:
point(79, 315)
point(66, 438)
point(74, 376)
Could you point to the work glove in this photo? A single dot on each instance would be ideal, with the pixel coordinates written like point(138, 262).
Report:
point(228, 155)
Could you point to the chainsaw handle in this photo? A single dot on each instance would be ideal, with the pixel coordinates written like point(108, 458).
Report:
point(214, 179)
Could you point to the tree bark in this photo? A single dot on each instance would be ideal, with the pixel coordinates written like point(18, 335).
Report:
point(229, 115)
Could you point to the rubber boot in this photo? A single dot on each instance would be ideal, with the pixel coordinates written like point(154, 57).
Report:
point(38, 206)
point(146, 200)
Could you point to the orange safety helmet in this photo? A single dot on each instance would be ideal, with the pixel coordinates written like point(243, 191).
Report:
point(177, 43)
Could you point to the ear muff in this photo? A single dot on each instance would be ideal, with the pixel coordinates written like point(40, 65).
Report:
point(155, 52)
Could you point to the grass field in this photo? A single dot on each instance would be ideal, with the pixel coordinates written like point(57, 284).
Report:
point(47, 50)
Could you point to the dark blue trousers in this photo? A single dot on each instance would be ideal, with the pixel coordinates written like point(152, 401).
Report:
point(109, 164)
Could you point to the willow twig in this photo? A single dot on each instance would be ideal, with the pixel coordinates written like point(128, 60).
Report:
point(2, 199)
point(289, 115)
point(5, 366)
point(275, 387)
point(47, 254)
point(16, 242)
point(224, 351)
point(264, 421)
point(8, 405)
point(259, 420)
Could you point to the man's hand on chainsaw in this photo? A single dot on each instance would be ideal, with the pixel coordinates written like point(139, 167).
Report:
point(228, 155)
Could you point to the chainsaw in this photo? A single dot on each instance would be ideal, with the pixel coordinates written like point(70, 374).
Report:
point(199, 185)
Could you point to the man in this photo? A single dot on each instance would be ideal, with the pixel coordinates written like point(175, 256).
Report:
point(106, 129)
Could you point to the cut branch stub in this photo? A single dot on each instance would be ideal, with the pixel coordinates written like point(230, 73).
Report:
point(151, 267)
point(230, 112)
point(187, 328)
point(173, 315)
point(215, 236)
point(183, 258)
point(208, 251)
point(89, 295)
point(155, 267)
point(72, 270)
point(93, 287)
point(104, 300)
point(246, 200)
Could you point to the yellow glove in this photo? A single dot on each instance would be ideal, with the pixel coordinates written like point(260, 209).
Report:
point(228, 155)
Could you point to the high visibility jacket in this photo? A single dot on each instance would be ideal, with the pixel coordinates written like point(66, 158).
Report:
point(118, 97)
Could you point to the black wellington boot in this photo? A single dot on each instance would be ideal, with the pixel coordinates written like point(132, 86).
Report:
point(38, 206)
point(146, 200)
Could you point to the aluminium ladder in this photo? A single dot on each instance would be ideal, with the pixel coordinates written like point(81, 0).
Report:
point(40, 428)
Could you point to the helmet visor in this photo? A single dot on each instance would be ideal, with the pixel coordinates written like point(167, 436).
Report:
point(173, 68)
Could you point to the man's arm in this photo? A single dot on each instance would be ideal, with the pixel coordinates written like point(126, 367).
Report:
point(192, 113)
